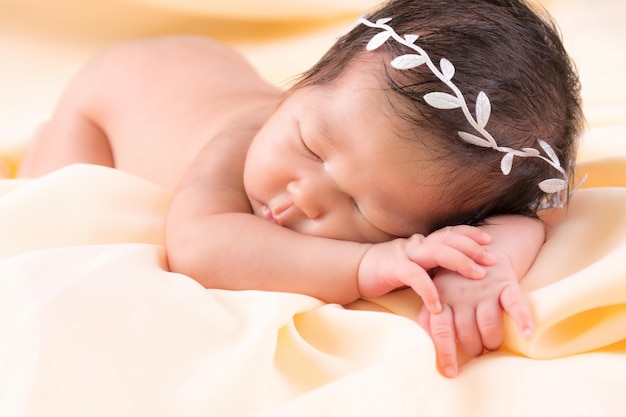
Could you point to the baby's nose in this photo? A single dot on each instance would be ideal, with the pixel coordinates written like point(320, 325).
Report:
point(311, 197)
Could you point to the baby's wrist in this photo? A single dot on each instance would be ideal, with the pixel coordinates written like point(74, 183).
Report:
point(364, 273)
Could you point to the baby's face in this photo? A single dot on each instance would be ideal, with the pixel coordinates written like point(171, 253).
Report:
point(329, 163)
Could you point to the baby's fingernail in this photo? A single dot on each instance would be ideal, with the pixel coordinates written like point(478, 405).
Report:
point(478, 271)
point(489, 257)
point(437, 307)
point(528, 333)
point(450, 371)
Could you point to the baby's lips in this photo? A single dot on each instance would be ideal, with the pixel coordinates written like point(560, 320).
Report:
point(267, 214)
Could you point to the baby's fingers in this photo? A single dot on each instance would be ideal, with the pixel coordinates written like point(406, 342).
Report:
point(433, 254)
point(470, 245)
point(514, 303)
point(444, 339)
point(419, 280)
point(423, 319)
point(467, 328)
point(489, 320)
point(474, 233)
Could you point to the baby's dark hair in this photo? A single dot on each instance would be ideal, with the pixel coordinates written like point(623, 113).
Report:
point(500, 47)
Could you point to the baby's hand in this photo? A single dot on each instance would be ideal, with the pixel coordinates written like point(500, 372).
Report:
point(472, 312)
point(406, 262)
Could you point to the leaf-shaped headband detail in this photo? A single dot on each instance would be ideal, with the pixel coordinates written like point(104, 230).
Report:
point(556, 187)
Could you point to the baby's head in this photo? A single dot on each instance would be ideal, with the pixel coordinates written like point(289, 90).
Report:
point(503, 56)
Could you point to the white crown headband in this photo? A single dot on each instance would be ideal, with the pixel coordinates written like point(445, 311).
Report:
point(557, 187)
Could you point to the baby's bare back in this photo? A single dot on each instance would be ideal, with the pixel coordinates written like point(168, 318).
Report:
point(159, 101)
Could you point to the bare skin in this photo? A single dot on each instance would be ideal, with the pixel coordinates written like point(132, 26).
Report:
point(166, 84)
point(270, 191)
point(472, 309)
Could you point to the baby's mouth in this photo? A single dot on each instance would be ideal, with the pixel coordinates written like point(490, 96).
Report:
point(267, 214)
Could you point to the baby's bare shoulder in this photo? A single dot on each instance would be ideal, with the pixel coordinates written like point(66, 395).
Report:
point(161, 100)
point(174, 49)
point(161, 67)
point(180, 76)
point(171, 61)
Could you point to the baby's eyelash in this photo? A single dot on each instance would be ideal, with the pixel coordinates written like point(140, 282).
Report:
point(309, 149)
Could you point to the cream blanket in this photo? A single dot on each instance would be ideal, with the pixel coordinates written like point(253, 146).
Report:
point(91, 324)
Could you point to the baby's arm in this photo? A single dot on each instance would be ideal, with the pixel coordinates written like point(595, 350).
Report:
point(212, 237)
point(472, 313)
